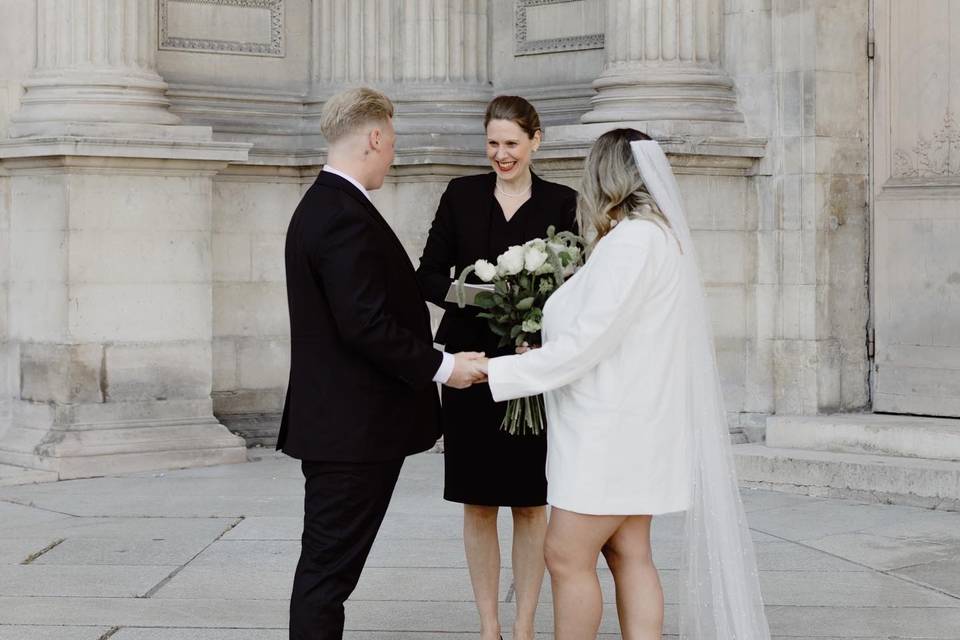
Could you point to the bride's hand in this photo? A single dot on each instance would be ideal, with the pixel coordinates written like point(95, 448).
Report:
point(524, 347)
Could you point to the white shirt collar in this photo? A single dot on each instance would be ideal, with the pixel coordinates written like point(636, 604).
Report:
point(350, 179)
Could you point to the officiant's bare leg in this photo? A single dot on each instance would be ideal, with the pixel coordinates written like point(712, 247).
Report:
point(573, 545)
point(482, 547)
point(639, 594)
point(529, 531)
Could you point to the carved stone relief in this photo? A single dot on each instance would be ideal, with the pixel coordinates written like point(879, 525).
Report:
point(246, 27)
point(544, 42)
point(936, 157)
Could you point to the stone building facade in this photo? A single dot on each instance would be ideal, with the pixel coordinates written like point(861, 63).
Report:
point(152, 151)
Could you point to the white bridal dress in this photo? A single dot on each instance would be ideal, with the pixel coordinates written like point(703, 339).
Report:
point(634, 410)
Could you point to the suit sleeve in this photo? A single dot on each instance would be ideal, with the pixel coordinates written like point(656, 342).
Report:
point(615, 287)
point(439, 256)
point(349, 265)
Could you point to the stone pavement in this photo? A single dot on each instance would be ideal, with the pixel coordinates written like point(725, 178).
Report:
point(208, 554)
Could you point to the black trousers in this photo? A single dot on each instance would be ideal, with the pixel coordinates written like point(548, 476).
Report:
point(343, 508)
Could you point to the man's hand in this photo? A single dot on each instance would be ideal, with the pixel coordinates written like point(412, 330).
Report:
point(469, 368)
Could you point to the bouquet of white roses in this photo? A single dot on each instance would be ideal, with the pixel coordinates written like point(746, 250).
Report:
point(523, 278)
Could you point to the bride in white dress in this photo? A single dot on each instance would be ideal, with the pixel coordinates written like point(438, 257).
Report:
point(636, 421)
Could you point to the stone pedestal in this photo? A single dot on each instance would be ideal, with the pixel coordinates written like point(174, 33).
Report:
point(110, 280)
point(663, 66)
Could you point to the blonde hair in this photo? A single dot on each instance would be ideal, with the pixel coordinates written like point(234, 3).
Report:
point(351, 109)
point(612, 188)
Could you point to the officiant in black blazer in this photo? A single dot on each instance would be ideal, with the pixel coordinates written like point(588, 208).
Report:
point(479, 217)
point(363, 369)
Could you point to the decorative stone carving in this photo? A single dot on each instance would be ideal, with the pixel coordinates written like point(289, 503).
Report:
point(256, 26)
point(526, 46)
point(936, 157)
point(663, 64)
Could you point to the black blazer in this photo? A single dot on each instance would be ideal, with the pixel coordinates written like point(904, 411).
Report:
point(461, 234)
point(362, 357)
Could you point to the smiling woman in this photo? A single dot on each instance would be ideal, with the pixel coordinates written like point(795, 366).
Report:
point(479, 217)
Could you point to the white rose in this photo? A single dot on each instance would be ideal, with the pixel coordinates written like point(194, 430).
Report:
point(485, 270)
point(510, 262)
point(533, 259)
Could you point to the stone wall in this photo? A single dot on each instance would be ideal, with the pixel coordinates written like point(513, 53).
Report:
point(771, 156)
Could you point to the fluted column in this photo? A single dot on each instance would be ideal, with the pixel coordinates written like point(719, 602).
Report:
point(96, 63)
point(664, 63)
point(429, 56)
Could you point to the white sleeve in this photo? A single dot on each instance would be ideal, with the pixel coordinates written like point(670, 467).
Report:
point(446, 369)
point(615, 293)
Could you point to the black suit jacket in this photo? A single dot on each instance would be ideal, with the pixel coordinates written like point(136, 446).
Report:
point(461, 234)
point(362, 357)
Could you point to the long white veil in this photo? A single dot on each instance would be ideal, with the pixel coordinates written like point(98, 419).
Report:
point(719, 585)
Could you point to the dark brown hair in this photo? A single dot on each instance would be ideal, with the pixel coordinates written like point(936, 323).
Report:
point(515, 109)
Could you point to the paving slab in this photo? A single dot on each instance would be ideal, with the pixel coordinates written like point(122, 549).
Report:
point(884, 552)
point(79, 581)
point(820, 577)
point(17, 550)
point(943, 575)
point(125, 552)
point(44, 632)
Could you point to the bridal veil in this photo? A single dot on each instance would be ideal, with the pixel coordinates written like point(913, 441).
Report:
point(719, 584)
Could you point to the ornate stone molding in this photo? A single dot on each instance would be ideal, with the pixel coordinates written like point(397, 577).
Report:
point(936, 157)
point(274, 48)
point(524, 46)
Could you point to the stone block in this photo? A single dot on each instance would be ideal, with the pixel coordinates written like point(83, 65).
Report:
point(37, 313)
point(841, 200)
point(768, 258)
point(903, 436)
point(80, 581)
point(841, 38)
point(793, 102)
point(4, 203)
point(841, 155)
point(758, 391)
point(61, 373)
point(790, 201)
point(264, 363)
point(147, 203)
point(267, 258)
point(253, 207)
point(754, 47)
point(249, 401)
point(725, 257)
point(105, 256)
point(4, 316)
point(841, 104)
point(232, 258)
point(250, 309)
point(795, 31)
point(795, 368)
point(731, 360)
point(225, 364)
point(39, 256)
point(139, 313)
point(38, 203)
point(727, 308)
point(135, 372)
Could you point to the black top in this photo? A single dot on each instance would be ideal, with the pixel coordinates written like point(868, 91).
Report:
point(469, 225)
point(362, 357)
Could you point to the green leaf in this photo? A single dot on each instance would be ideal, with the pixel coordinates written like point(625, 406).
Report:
point(500, 286)
point(515, 331)
point(526, 303)
point(497, 329)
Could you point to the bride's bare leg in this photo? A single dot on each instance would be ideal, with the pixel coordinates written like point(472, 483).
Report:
point(572, 547)
point(639, 595)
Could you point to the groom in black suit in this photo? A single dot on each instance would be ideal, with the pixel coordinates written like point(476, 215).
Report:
point(363, 370)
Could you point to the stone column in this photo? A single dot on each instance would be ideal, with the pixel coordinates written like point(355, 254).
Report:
point(429, 56)
point(96, 65)
point(663, 64)
point(110, 291)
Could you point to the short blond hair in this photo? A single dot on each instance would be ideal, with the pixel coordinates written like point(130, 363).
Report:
point(351, 109)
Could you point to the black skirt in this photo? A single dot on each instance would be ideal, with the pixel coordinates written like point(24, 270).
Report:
point(484, 465)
